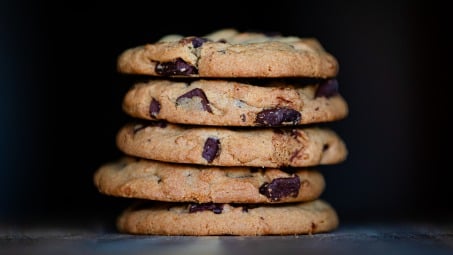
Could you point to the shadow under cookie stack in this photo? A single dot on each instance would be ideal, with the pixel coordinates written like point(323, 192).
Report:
point(225, 136)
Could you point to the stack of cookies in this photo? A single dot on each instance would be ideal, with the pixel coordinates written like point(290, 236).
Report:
point(225, 134)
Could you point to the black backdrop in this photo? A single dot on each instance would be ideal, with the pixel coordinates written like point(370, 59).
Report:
point(60, 98)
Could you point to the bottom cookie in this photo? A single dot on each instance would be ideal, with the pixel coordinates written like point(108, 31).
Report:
point(166, 218)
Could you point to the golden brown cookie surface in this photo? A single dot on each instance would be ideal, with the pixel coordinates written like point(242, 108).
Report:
point(221, 146)
point(230, 53)
point(159, 218)
point(154, 180)
point(236, 103)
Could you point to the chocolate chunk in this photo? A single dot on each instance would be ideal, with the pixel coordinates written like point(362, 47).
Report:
point(197, 92)
point(211, 149)
point(277, 117)
point(198, 41)
point(154, 108)
point(327, 89)
point(177, 67)
point(281, 187)
point(214, 207)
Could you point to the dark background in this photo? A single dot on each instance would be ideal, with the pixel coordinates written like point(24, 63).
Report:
point(60, 99)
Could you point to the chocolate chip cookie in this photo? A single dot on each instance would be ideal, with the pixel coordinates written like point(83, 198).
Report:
point(230, 53)
point(139, 178)
point(222, 146)
point(258, 102)
point(161, 218)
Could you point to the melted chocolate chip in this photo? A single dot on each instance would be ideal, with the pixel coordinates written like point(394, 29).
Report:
point(198, 41)
point(281, 187)
point(277, 117)
point(177, 67)
point(154, 108)
point(197, 92)
point(211, 149)
point(215, 208)
point(327, 89)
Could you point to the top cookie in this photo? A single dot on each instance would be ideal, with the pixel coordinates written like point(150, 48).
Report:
point(229, 53)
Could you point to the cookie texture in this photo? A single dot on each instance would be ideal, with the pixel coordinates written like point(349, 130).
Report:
point(270, 102)
point(160, 218)
point(146, 179)
point(222, 146)
point(230, 53)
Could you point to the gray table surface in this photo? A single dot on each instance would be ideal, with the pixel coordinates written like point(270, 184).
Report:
point(349, 238)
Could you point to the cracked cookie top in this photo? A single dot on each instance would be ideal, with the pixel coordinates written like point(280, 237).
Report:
point(229, 53)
